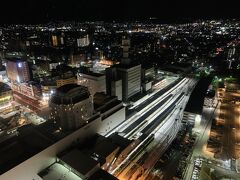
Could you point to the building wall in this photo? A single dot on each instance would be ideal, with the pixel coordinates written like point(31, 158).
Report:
point(131, 81)
point(147, 86)
point(113, 121)
point(61, 82)
point(72, 116)
point(54, 40)
point(84, 41)
point(94, 84)
point(26, 89)
point(18, 71)
point(116, 89)
point(28, 169)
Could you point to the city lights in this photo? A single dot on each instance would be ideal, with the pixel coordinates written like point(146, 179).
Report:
point(119, 90)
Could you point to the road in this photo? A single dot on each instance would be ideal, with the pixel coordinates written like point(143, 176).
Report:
point(203, 131)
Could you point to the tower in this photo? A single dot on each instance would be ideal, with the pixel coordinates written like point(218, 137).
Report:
point(125, 49)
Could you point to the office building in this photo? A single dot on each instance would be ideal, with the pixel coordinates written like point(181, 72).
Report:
point(29, 89)
point(54, 40)
point(131, 80)
point(95, 82)
point(113, 83)
point(17, 70)
point(83, 41)
point(125, 46)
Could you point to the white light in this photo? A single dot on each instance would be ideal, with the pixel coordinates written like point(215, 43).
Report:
point(18, 79)
point(19, 65)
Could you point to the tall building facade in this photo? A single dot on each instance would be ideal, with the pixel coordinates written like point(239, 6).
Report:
point(131, 80)
point(17, 70)
point(113, 83)
point(83, 41)
point(125, 46)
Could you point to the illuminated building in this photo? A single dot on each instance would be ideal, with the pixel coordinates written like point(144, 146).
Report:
point(128, 75)
point(50, 84)
point(30, 89)
point(106, 62)
point(17, 70)
point(71, 106)
point(131, 80)
point(94, 81)
point(65, 80)
point(5, 95)
point(54, 40)
point(83, 41)
point(125, 46)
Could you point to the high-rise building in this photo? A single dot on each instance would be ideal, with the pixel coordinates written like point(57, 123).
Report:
point(83, 41)
point(54, 40)
point(71, 106)
point(113, 83)
point(131, 80)
point(125, 46)
point(18, 70)
point(126, 75)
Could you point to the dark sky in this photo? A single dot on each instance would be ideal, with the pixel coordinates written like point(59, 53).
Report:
point(38, 11)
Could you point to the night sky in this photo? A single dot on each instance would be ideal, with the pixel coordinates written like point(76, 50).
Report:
point(42, 11)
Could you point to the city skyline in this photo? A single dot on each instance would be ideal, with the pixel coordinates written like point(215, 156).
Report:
point(119, 90)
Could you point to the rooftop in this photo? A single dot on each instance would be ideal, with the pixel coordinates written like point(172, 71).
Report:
point(90, 73)
point(67, 88)
point(79, 161)
point(105, 147)
point(70, 94)
point(4, 87)
point(58, 171)
point(126, 66)
point(16, 59)
point(196, 100)
point(19, 148)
